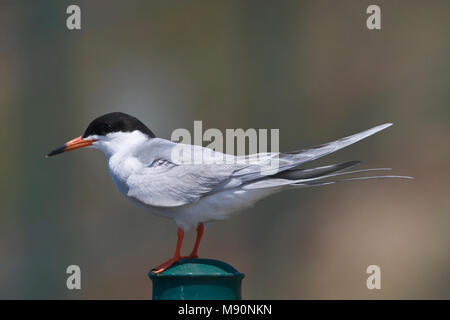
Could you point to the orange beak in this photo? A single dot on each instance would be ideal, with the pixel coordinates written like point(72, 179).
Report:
point(72, 145)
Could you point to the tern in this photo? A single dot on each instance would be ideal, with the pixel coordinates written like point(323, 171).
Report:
point(167, 179)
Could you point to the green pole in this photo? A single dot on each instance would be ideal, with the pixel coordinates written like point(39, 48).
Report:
point(197, 279)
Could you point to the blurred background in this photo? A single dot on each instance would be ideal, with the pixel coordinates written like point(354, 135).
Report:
point(310, 68)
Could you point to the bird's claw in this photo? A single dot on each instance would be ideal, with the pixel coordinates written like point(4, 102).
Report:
point(166, 265)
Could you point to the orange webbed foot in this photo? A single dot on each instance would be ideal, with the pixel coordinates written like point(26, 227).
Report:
point(166, 265)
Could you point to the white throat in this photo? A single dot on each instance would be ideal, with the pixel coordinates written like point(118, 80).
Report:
point(119, 149)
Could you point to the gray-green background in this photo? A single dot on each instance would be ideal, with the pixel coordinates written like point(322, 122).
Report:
point(309, 68)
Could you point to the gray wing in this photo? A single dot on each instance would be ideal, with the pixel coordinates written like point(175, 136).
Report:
point(271, 164)
point(284, 176)
point(168, 182)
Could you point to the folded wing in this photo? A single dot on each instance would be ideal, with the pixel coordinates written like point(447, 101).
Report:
point(170, 180)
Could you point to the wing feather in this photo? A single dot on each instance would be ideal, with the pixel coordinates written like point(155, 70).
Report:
point(273, 163)
point(169, 180)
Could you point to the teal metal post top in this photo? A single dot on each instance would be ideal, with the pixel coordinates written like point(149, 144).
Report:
point(197, 279)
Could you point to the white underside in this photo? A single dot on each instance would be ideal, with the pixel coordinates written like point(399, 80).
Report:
point(215, 207)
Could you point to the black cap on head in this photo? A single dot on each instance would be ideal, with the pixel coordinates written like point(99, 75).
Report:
point(116, 122)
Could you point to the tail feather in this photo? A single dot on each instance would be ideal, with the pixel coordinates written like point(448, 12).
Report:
point(320, 183)
point(315, 177)
point(286, 174)
point(289, 160)
point(297, 174)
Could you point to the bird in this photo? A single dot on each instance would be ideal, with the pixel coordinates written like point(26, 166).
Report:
point(194, 185)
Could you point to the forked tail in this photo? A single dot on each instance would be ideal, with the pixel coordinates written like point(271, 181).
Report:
point(317, 176)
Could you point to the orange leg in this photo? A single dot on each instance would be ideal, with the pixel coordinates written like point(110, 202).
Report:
point(194, 253)
point(176, 256)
